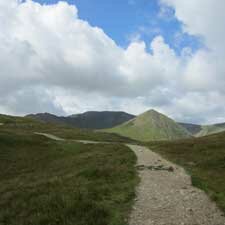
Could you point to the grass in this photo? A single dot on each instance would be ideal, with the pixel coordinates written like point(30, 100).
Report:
point(204, 160)
point(63, 183)
point(210, 129)
point(150, 126)
point(21, 124)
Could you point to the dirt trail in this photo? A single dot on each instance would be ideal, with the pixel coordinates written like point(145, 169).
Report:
point(50, 136)
point(53, 137)
point(165, 195)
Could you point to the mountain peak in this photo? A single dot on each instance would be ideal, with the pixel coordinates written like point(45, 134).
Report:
point(151, 115)
point(151, 126)
point(151, 111)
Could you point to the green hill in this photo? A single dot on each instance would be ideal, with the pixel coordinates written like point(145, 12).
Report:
point(151, 125)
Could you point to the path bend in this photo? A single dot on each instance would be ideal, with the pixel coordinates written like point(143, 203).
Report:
point(165, 195)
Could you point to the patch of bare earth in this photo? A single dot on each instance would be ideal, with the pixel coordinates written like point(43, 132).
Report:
point(165, 195)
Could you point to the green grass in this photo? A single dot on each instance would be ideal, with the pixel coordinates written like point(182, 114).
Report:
point(43, 182)
point(21, 124)
point(210, 129)
point(150, 126)
point(204, 160)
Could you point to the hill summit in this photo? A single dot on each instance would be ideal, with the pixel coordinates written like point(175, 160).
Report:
point(151, 126)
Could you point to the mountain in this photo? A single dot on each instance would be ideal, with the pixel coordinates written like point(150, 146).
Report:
point(192, 128)
point(110, 119)
point(151, 126)
point(89, 120)
point(203, 130)
point(100, 120)
point(211, 129)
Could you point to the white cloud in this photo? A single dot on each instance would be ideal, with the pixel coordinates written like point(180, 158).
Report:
point(72, 66)
point(29, 100)
point(204, 71)
point(204, 18)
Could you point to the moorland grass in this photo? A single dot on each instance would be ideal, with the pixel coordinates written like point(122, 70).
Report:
point(43, 182)
point(203, 158)
point(150, 126)
point(24, 125)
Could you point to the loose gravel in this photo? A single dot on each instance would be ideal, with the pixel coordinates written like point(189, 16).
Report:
point(166, 196)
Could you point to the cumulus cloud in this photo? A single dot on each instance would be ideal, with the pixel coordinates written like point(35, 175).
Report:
point(29, 100)
point(204, 72)
point(203, 18)
point(51, 60)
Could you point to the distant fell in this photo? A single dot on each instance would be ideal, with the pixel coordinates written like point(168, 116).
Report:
point(48, 118)
point(100, 120)
point(192, 128)
point(211, 129)
point(151, 126)
point(88, 120)
point(204, 130)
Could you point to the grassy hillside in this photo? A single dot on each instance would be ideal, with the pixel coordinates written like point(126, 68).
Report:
point(88, 120)
point(192, 128)
point(151, 125)
point(63, 183)
point(210, 129)
point(203, 158)
point(203, 130)
point(9, 120)
point(24, 124)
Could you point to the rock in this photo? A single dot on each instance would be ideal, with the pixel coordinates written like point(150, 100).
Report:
point(171, 169)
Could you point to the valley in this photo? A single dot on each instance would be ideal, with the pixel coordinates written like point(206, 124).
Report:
point(112, 112)
point(59, 174)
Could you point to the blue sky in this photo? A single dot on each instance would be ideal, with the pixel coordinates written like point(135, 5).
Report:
point(123, 20)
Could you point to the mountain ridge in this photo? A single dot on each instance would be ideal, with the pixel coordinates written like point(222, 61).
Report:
point(109, 119)
point(203, 130)
point(87, 120)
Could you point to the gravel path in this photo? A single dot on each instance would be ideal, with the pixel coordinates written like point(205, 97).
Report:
point(53, 137)
point(50, 136)
point(165, 195)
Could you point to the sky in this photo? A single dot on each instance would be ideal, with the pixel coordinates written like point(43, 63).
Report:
point(128, 20)
point(67, 57)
